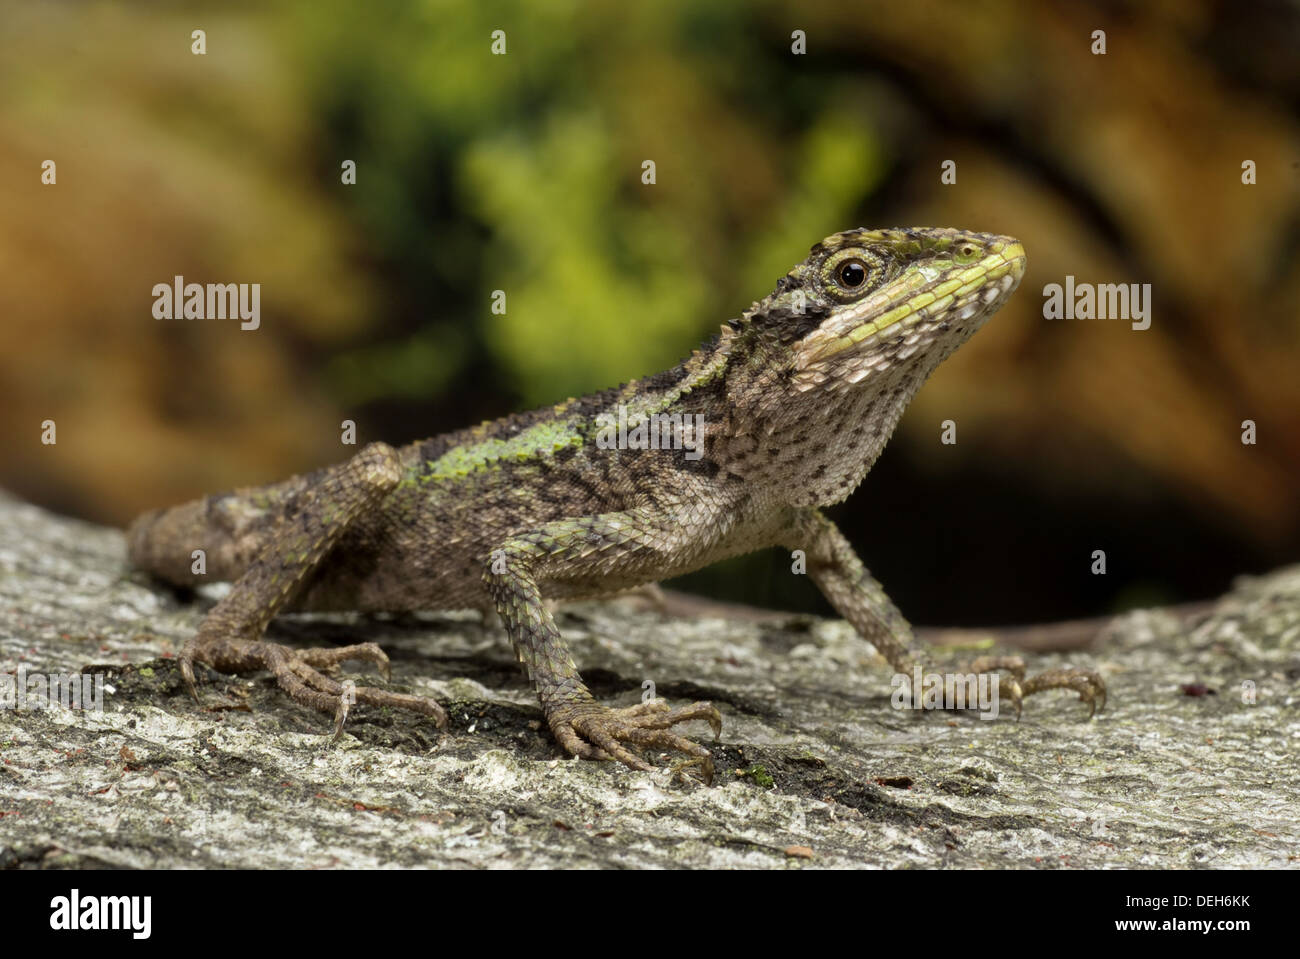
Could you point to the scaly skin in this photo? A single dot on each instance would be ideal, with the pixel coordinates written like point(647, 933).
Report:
point(797, 397)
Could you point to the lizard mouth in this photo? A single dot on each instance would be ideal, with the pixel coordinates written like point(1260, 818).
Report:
point(922, 302)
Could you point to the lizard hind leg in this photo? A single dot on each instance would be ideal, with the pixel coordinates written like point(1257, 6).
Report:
point(229, 639)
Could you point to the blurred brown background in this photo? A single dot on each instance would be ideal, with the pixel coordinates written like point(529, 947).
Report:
point(522, 172)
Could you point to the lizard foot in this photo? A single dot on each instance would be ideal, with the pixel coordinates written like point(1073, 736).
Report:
point(302, 673)
point(591, 731)
point(1013, 684)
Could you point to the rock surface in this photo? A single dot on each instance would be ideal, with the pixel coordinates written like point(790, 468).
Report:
point(815, 769)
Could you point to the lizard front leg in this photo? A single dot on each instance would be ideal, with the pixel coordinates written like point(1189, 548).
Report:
point(860, 599)
point(230, 637)
point(592, 549)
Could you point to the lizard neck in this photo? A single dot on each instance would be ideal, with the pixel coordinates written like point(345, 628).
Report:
point(816, 448)
point(810, 449)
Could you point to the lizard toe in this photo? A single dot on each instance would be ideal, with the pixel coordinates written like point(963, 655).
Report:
point(592, 731)
point(1086, 682)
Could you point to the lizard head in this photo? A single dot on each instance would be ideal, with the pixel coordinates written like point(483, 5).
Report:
point(848, 336)
point(868, 305)
point(865, 301)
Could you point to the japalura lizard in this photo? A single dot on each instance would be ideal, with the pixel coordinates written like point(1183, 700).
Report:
point(794, 401)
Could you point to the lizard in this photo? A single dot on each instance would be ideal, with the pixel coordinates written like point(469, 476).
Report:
point(792, 401)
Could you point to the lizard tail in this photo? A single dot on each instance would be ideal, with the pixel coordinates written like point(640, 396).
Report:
point(162, 541)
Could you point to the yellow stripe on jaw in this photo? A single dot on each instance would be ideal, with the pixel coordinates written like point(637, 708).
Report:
point(938, 298)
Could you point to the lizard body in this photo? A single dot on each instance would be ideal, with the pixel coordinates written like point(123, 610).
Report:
point(794, 400)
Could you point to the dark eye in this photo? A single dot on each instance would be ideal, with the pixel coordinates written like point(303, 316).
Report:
point(851, 274)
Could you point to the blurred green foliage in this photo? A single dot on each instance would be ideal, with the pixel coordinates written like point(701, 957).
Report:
point(523, 173)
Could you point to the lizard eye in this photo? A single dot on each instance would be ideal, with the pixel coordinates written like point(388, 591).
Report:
point(848, 274)
point(851, 274)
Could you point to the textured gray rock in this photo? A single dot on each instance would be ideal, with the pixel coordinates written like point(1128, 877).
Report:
point(814, 767)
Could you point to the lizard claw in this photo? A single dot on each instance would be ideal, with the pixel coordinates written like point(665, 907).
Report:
point(187, 674)
point(1010, 687)
point(303, 674)
point(1088, 684)
point(592, 731)
point(1011, 670)
point(301, 679)
point(340, 717)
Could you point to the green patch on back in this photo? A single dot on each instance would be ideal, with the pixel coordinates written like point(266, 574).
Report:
point(543, 439)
